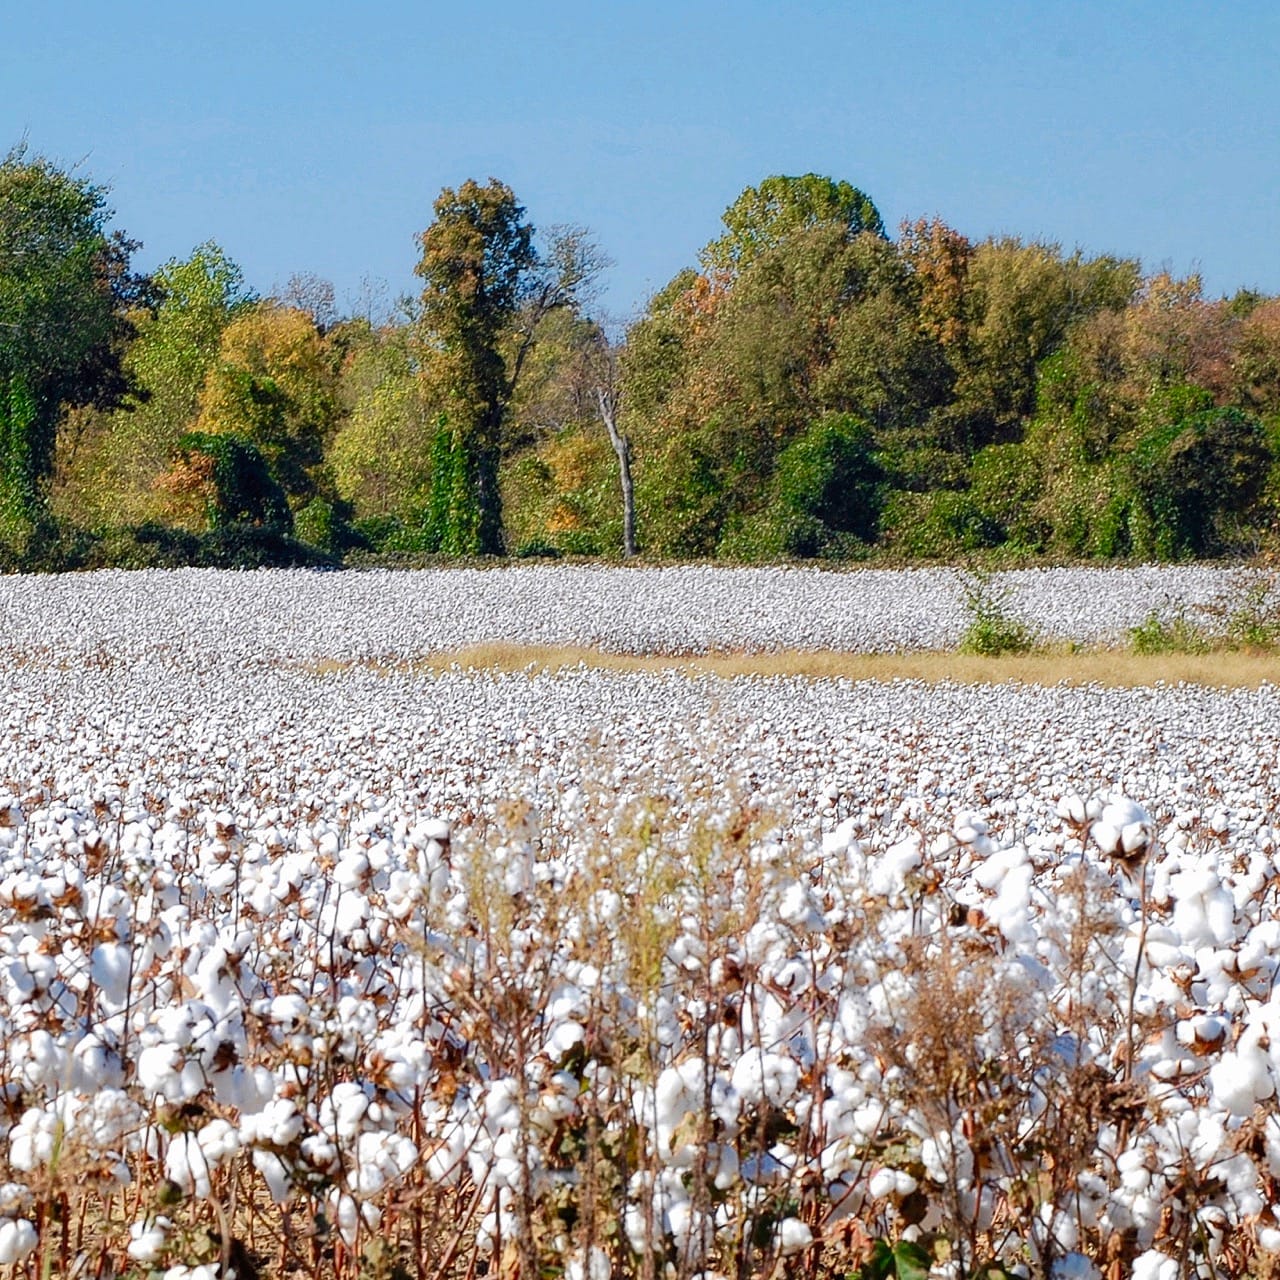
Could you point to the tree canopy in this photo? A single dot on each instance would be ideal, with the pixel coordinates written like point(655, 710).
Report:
point(65, 295)
point(811, 387)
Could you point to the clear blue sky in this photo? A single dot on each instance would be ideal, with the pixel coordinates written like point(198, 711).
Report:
point(314, 137)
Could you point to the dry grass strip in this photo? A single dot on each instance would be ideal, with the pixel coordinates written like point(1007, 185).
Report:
point(1108, 667)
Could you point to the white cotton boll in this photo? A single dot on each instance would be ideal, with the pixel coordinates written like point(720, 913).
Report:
point(1269, 1239)
point(792, 1236)
point(248, 1089)
point(277, 1124)
point(351, 913)
point(18, 1238)
point(799, 908)
point(1106, 837)
point(147, 1238)
point(186, 1166)
point(219, 1141)
point(1154, 1265)
point(32, 1140)
point(181, 1271)
point(1071, 808)
point(382, 1159)
point(15, 1199)
point(1241, 1078)
point(352, 869)
point(946, 1156)
point(159, 1071)
point(501, 1105)
point(882, 1183)
point(889, 871)
point(279, 1184)
point(594, 1266)
point(563, 1039)
point(348, 1104)
point(346, 1214)
point(839, 840)
point(109, 968)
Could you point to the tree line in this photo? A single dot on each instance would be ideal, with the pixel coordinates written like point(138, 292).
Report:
point(811, 386)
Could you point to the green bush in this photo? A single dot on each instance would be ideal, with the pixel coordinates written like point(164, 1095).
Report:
point(992, 630)
point(327, 526)
point(1195, 477)
point(1005, 486)
point(244, 490)
point(936, 526)
point(538, 549)
point(829, 476)
point(1177, 635)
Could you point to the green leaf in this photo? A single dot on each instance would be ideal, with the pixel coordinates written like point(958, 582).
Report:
point(910, 1261)
point(877, 1267)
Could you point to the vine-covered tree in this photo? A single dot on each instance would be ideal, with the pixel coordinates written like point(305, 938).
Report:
point(485, 293)
point(65, 291)
point(476, 259)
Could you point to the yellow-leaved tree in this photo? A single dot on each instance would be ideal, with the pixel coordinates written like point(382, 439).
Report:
point(274, 385)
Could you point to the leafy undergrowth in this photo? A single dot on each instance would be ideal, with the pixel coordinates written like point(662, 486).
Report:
point(614, 1044)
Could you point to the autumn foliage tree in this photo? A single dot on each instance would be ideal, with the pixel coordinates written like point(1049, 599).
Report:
point(274, 386)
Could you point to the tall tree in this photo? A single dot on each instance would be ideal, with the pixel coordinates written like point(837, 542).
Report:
point(761, 217)
point(65, 291)
point(476, 259)
point(485, 293)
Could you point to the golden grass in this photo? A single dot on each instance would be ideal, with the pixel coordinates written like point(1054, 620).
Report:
point(1114, 668)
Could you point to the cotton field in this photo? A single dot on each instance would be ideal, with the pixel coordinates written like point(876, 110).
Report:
point(358, 972)
point(285, 615)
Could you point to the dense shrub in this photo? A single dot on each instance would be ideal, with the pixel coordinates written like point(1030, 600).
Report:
point(232, 478)
point(1195, 476)
point(936, 526)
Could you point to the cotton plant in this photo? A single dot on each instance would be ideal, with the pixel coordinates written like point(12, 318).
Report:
point(606, 973)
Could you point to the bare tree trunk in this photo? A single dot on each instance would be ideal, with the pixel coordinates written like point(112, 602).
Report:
point(622, 447)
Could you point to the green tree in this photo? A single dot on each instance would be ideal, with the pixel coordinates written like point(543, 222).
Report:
point(476, 260)
point(381, 453)
point(486, 293)
point(65, 291)
point(217, 481)
point(108, 463)
point(1021, 301)
point(762, 217)
point(1196, 475)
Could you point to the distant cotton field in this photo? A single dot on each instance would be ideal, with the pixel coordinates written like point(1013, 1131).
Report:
point(379, 615)
point(611, 974)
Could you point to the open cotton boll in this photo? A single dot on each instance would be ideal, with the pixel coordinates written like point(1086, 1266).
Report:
point(33, 1138)
point(889, 871)
point(109, 969)
point(185, 1165)
point(799, 908)
point(382, 1159)
point(18, 1238)
point(147, 1238)
point(272, 1168)
point(1154, 1265)
point(1241, 1078)
point(792, 1236)
point(762, 1076)
point(184, 1271)
point(594, 1265)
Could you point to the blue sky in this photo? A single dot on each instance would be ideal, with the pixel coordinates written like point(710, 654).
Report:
point(314, 137)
